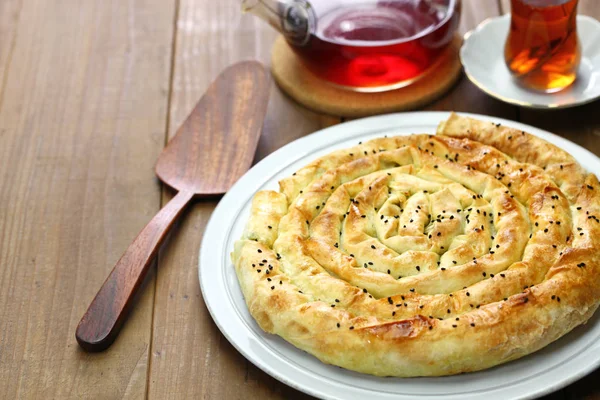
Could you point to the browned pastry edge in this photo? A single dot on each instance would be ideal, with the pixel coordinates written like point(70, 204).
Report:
point(292, 257)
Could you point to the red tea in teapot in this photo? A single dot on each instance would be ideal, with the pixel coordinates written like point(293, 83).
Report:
point(377, 45)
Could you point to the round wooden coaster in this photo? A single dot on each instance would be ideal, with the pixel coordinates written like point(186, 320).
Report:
point(304, 87)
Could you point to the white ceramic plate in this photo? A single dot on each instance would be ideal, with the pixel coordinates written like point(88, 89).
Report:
point(482, 57)
point(557, 365)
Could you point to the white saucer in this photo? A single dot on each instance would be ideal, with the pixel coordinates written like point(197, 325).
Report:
point(482, 57)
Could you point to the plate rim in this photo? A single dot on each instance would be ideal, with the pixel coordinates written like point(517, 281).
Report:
point(509, 100)
point(430, 116)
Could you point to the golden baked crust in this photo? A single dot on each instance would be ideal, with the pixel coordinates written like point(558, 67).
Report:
point(426, 255)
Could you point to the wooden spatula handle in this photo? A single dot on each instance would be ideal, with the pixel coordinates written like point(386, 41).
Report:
point(102, 321)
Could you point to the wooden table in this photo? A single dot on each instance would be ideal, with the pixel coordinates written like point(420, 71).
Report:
point(90, 91)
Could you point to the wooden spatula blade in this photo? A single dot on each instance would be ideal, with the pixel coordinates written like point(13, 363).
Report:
point(212, 149)
point(215, 145)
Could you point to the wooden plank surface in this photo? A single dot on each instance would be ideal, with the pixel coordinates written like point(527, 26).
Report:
point(89, 94)
point(82, 120)
point(190, 358)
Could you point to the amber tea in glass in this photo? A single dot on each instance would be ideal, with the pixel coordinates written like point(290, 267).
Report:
point(542, 50)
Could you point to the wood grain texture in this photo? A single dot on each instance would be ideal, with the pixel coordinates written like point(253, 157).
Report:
point(84, 102)
point(190, 358)
point(215, 145)
point(211, 150)
point(102, 322)
point(82, 117)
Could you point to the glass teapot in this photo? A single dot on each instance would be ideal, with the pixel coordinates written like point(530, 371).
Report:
point(364, 45)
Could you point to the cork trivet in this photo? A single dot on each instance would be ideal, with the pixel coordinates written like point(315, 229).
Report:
point(312, 92)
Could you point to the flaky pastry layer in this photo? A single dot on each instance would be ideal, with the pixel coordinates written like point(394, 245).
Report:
point(426, 255)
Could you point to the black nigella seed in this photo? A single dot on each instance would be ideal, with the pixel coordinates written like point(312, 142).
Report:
point(412, 290)
point(483, 273)
point(338, 324)
point(363, 216)
point(272, 287)
point(389, 272)
point(259, 250)
point(269, 279)
point(443, 269)
point(364, 290)
point(258, 271)
point(393, 313)
point(390, 300)
point(454, 326)
point(418, 268)
point(270, 227)
point(468, 294)
point(448, 311)
point(472, 324)
point(351, 328)
point(373, 246)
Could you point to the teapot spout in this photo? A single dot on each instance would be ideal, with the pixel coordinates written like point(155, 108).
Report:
point(268, 10)
point(294, 19)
